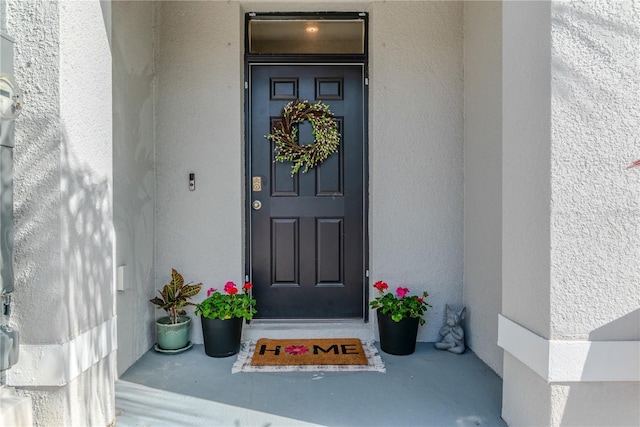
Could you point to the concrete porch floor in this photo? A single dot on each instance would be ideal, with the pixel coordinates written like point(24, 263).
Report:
point(427, 388)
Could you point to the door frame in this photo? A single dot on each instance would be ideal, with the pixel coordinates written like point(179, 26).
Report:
point(311, 60)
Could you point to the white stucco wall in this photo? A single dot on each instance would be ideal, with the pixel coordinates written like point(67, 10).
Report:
point(416, 132)
point(199, 130)
point(37, 204)
point(483, 178)
point(134, 174)
point(86, 184)
point(581, 138)
point(595, 200)
point(415, 159)
point(63, 211)
point(3, 16)
point(526, 151)
point(526, 396)
point(595, 203)
point(570, 210)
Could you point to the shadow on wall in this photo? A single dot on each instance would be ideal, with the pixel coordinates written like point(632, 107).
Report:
point(63, 257)
point(36, 213)
point(133, 190)
point(596, 86)
point(625, 328)
point(610, 76)
point(87, 245)
point(63, 216)
point(605, 403)
point(87, 275)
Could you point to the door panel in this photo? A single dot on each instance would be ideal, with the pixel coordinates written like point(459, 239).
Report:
point(307, 240)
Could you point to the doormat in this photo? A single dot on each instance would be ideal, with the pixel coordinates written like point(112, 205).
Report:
point(326, 354)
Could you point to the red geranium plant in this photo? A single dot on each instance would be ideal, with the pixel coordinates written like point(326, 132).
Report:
point(232, 303)
point(401, 305)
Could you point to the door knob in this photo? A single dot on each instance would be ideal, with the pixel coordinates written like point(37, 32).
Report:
point(256, 205)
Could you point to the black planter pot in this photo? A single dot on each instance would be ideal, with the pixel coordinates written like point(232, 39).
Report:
point(397, 338)
point(221, 337)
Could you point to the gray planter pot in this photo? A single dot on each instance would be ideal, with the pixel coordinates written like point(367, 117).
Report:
point(173, 337)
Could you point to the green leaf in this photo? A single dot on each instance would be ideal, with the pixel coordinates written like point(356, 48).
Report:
point(190, 291)
point(175, 295)
point(157, 301)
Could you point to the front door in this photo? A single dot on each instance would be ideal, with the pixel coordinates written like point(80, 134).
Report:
point(307, 232)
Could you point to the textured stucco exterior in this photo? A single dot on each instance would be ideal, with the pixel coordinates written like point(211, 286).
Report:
point(483, 178)
point(415, 159)
point(38, 167)
point(540, 97)
point(87, 400)
point(63, 204)
point(525, 395)
point(526, 152)
point(579, 281)
point(134, 183)
point(199, 130)
point(595, 200)
point(62, 170)
point(415, 149)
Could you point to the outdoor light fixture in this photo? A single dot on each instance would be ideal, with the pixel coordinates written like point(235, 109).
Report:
point(312, 29)
point(10, 97)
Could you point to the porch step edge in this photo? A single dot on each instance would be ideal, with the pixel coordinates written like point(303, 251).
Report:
point(308, 329)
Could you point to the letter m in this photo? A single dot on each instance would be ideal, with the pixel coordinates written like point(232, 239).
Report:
point(317, 348)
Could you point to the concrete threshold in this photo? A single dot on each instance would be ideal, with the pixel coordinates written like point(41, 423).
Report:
point(308, 329)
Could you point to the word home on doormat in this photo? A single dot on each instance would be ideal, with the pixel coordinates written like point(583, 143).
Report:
point(326, 355)
point(338, 351)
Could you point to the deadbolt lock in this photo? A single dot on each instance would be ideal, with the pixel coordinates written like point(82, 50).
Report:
point(256, 183)
point(256, 205)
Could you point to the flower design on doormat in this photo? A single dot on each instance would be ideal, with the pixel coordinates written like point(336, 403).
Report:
point(295, 350)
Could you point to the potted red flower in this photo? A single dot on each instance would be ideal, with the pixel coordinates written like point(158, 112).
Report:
point(399, 316)
point(222, 315)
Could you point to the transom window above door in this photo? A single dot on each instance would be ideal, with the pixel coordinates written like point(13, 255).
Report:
point(302, 35)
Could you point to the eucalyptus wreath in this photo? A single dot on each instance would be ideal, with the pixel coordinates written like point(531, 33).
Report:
point(285, 135)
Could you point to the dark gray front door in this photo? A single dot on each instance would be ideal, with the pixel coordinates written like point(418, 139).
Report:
point(307, 239)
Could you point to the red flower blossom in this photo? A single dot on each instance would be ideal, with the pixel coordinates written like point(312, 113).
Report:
point(401, 292)
point(380, 285)
point(399, 304)
point(295, 350)
point(228, 304)
point(247, 286)
point(230, 288)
